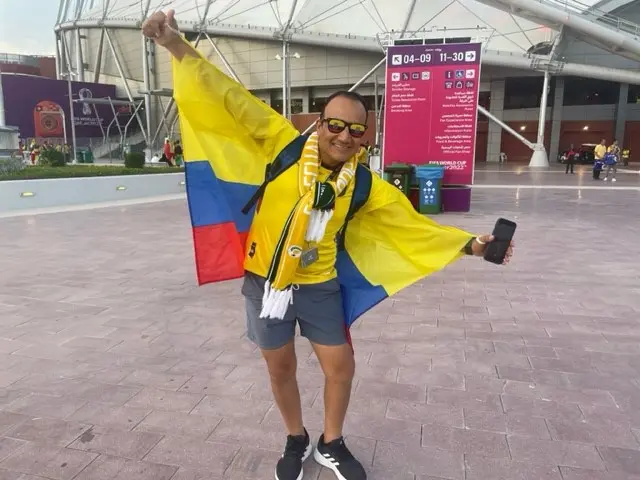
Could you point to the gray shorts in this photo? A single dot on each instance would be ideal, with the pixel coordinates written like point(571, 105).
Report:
point(317, 309)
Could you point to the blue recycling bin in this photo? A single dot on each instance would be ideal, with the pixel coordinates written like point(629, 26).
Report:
point(429, 179)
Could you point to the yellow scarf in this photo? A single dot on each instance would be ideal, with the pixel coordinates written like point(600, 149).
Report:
point(307, 222)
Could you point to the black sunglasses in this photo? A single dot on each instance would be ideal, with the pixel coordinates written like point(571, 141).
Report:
point(335, 125)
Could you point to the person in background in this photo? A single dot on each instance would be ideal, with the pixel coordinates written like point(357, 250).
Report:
point(626, 153)
point(177, 151)
point(66, 152)
point(611, 160)
point(167, 152)
point(570, 160)
point(35, 153)
point(600, 150)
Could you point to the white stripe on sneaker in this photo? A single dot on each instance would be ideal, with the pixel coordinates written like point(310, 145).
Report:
point(327, 461)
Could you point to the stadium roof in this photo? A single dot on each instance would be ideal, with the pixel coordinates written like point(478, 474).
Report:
point(361, 18)
point(510, 30)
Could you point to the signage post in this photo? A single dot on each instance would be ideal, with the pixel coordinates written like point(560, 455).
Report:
point(431, 98)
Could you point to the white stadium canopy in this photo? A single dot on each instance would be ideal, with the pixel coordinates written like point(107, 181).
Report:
point(510, 29)
point(346, 18)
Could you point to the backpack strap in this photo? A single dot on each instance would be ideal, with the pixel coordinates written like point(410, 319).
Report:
point(361, 191)
point(287, 157)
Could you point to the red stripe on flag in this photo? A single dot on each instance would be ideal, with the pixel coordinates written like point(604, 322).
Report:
point(219, 251)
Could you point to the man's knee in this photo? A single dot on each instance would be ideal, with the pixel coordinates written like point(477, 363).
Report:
point(337, 362)
point(281, 363)
point(341, 373)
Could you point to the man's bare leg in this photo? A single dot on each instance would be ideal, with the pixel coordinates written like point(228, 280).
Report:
point(282, 365)
point(338, 365)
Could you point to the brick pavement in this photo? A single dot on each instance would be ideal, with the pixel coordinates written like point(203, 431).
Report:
point(115, 366)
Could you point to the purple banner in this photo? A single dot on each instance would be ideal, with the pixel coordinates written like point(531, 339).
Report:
point(34, 105)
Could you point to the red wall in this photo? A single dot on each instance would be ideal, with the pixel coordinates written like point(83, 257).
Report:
point(632, 139)
point(46, 68)
point(517, 151)
point(572, 133)
point(18, 68)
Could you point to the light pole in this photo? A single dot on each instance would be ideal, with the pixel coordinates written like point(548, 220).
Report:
point(286, 78)
point(74, 157)
point(2, 113)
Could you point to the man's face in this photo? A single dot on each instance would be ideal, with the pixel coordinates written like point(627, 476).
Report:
point(338, 147)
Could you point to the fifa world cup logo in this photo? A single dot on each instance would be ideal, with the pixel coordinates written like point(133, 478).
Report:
point(85, 94)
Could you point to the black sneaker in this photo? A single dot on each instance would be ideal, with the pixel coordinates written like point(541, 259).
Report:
point(336, 456)
point(296, 451)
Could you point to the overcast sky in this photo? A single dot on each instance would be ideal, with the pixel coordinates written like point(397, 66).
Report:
point(26, 26)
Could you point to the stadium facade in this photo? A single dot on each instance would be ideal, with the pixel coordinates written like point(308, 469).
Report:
point(576, 59)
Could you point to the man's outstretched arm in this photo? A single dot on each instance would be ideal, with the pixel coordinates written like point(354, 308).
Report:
point(211, 102)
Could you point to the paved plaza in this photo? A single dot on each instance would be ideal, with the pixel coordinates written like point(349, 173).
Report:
point(114, 365)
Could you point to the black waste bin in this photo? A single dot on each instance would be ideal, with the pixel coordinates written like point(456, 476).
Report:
point(399, 175)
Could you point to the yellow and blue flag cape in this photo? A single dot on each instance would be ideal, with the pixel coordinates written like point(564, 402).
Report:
point(229, 137)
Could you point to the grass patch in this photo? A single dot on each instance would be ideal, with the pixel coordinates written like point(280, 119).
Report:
point(79, 171)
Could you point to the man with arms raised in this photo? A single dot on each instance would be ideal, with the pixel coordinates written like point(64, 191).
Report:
point(291, 250)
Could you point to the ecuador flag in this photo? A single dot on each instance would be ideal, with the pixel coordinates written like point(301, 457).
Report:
point(229, 138)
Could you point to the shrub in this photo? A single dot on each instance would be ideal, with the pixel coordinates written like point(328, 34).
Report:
point(75, 171)
point(52, 158)
point(11, 165)
point(134, 160)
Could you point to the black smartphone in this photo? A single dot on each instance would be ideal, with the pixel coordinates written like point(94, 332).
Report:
point(503, 234)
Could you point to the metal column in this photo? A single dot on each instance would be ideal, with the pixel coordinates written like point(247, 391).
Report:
point(286, 66)
point(539, 157)
point(2, 115)
point(556, 119)
point(223, 59)
point(504, 126)
point(79, 57)
point(286, 109)
point(125, 82)
point(621, 114)
point(97, 69)
point(147, 88)
point(72, 121)
point(376, 108)
point(58, 56)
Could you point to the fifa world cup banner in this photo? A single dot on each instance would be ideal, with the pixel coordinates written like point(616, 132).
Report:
point(37, 106)
point(431, 98)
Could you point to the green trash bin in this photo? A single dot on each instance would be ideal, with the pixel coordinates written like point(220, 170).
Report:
point(399, 175)
point(429, 178)
point(88, 156)
point(80, 155)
